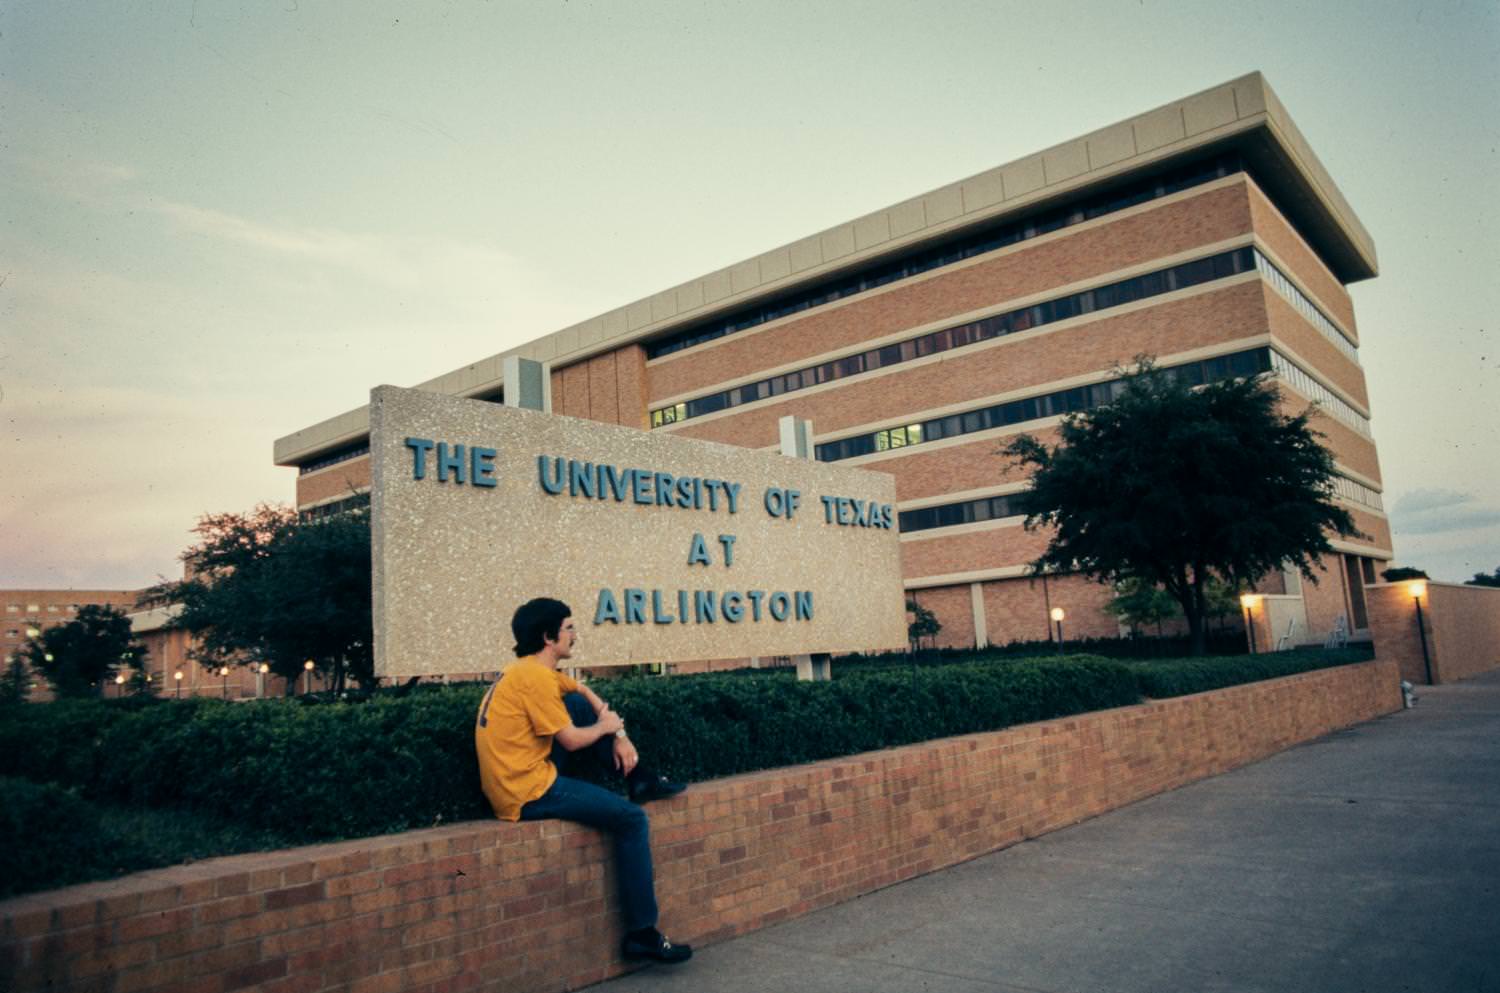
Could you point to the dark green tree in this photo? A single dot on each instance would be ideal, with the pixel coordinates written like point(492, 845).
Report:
point(1137, 603)
point(924, 625)
point(268, 587)
point(1485, 579)
point(15, 682)
point(1401, 574)
point(79, 657)
point(1177, 486)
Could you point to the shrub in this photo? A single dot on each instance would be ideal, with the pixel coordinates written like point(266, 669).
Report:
point(1179, 677)
point(49, 837)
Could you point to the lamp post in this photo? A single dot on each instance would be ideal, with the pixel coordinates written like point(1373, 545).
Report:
point(307, 682)
point(178, 676)
point(1417, 588)
point(1248, 602)
point(260, 680)
point(120, 682)
point(224, 675)
point(1057, 618)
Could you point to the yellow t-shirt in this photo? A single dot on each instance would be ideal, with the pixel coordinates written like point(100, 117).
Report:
point(513, 734)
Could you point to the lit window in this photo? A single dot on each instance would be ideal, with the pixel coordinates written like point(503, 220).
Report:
point(32, 608)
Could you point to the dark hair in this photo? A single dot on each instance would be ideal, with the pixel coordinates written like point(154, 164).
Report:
point(537, 621)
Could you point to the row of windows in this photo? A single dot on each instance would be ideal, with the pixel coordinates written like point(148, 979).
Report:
point(998, 507)
point(51, 608)
point(1079, 398)
point(1116, 294)
point(322, 511)
point(1288, 290)
point(967, 512)
point(1358, 493)
point(1330, 404)
point(933, 257)
point(334, 458)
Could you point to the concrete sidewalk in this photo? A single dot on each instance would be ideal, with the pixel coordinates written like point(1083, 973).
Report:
point(1368, 860)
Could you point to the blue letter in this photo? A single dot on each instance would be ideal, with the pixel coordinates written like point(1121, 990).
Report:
point(581, 478)
point(775, 501)
point(733, 490)
point(704, 607)
point(756, 596)
point(664, 483)
point(555, 484)
point(615, 480)
point(657, 613)
point(733, 606)
point(608, 609)
point(419, 448)
point(698, 553)
point(450, 462)
point(804, 605)
point(642, 481)
point(482, 467)
point(793, 497)
point(727, 540)
point(635, 606)
point(827, 509)
point(781, 605)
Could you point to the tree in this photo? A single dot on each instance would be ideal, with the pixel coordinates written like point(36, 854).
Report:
point(924, 625)
point(1401, 574)
point(79, 657)
point(267, 587)
point(1138, 602)
point(1485, 579)
point(15, 682)
point(1177, 486)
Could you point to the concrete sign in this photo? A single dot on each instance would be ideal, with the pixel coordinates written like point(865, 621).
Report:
point(667, 549)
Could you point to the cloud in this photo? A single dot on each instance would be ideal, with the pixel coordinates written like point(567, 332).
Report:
point(1418, 501)
point(427, 264)
point(1437, 511)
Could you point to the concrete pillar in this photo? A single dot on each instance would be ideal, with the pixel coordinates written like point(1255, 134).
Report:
point(525, 383)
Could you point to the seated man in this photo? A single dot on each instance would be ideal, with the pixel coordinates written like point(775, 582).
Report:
point(535, 714)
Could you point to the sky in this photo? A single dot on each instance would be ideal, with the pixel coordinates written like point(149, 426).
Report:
point(221, 222)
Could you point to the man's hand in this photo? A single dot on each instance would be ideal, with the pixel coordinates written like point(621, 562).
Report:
point(608, 722)
point(625, 756)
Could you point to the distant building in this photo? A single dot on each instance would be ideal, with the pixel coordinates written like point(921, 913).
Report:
point(27, 613)
point(919, 338)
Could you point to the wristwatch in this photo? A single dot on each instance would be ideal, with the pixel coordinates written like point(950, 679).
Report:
point(620, 733)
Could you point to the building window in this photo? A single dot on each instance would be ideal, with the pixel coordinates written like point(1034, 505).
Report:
point(930, 257)
point(12, 608)
point(1315, 316)
point(335, 457)
point(1221, 266)
point(967, 512)
point(1069, 401)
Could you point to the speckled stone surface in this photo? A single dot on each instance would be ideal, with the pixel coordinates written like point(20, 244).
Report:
point(453, 561)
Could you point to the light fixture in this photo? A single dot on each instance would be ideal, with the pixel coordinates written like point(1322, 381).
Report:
point(1057, 618)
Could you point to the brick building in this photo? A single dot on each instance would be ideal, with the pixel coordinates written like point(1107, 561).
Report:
point(27, 613)
point(918, 338)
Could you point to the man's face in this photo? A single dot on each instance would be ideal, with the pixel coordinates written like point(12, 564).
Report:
point(567, 636)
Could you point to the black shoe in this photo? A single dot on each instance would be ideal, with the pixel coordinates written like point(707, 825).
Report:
point(653, 945)
point(644, 789)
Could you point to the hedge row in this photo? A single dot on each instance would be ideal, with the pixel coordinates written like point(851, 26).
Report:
point(388, 764)
point(1162, 678)
point(393, 763)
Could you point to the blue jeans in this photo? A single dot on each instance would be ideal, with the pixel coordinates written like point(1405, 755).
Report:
point(574, 800)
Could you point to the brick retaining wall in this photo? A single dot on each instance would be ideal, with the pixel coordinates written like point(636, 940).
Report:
point(529, 907)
